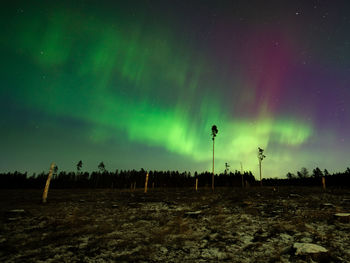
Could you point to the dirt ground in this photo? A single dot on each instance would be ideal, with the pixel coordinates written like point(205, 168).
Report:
point(257, 224)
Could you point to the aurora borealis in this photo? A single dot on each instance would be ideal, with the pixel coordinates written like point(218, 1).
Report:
point(139, 85)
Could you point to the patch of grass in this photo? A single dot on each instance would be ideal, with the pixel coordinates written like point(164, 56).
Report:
point(178, 228)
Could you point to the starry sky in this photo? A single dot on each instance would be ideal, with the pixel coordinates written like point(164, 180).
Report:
point(138, 84)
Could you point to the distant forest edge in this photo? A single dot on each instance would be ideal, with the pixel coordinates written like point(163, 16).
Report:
point(124, 179)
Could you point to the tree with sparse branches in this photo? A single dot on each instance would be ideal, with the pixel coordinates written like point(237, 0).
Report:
point(214, 132)
point(261, 157)
point(102, 167)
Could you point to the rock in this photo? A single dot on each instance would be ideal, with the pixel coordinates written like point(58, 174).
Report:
point(286, 238)
point(194, 214)
point(294, 195)
point(306, 240)
point(342, 214)
point(17, 211)
point(328, 205)
point(308, 248)
point(343, 217)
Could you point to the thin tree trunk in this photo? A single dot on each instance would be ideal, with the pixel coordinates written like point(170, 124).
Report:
point(242, 175)
point(212, 178)
point(260, 172)
point(47, 185)
point(146, 183)
point(324, 182)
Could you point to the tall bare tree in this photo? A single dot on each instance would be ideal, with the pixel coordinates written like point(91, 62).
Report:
point(261, 157)
point(214, 131)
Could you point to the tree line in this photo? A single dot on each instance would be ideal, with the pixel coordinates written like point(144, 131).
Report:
point(122, 179)
point(126, 179)
point(305, 178)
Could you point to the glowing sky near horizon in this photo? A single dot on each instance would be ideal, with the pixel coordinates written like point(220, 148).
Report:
point(139, 85)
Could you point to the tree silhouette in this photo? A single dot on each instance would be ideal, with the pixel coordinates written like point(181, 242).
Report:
point(123, 179)
point(55, 169)
point(214, 131)
point(289, 176)
point(304, 173)
point(317, 173)
point(261, 157)
point(325, 172)
point(102, 167)
point(227, 168)
point(79, 165)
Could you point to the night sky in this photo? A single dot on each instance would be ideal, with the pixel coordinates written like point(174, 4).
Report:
point(138, 84)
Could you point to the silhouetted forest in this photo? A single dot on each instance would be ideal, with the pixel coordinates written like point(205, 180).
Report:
point(125, 179)
point(121, 179)
point(305, 178)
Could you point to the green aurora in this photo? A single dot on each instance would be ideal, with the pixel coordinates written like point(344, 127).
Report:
point(127, 82)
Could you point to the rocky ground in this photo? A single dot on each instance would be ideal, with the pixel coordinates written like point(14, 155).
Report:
point(176, 225)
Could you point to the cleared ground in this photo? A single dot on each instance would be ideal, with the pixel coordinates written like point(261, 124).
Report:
point(174, 225)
